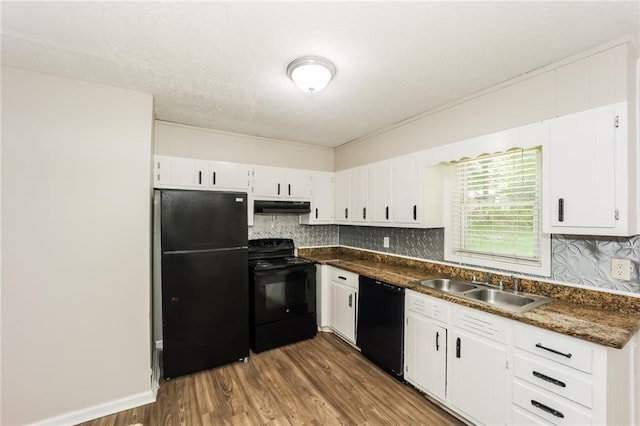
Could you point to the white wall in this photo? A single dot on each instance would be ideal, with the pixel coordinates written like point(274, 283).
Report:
point(76, 179)
point(594, 78)
point(196, 142)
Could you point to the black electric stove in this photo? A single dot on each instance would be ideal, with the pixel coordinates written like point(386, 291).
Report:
point(282, 294)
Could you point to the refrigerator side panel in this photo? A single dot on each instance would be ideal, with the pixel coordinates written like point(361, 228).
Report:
point(200, 220)
point(205, 305)
point(157, 271)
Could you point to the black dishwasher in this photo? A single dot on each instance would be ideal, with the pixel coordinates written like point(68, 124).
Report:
point(380, 324)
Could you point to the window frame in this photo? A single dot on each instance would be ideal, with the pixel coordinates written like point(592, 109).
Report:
point(541, 267)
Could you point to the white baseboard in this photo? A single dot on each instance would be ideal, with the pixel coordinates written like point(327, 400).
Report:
point(100, 410)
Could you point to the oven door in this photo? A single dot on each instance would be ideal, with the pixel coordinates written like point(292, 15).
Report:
point(284, 293)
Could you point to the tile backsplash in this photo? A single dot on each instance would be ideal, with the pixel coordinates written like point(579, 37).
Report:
point(287, 226)
point(582, 260)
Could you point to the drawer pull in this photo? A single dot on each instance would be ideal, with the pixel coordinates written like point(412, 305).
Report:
point(547, 409)
point(539, 345)
point(549, 379)
point(342, 278)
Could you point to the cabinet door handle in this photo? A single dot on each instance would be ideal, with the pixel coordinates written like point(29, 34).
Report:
point(458, 347)
point(214, 178)
point(547, 409)
point(386, 213)
point(549, 379)
point(346, 213)
point(316, 212)
point(539, 345)
point(437, 341)
point(289, 189)
point(350, 300)
point(415, 212)
point(199, 178)
point(278, 189)
point(342, 278)
point(364, 212)
point(560, 209)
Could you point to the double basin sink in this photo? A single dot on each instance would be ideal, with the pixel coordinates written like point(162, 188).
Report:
point(516, 302)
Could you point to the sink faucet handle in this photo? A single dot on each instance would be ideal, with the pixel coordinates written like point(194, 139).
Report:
point(516, 282)
point(501, 285)
point(473, 278)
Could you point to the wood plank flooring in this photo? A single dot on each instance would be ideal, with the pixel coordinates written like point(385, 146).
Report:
point(322, 381)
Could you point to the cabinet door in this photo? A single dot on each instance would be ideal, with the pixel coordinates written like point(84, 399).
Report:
point(183, 172)
point(380, 198)
point(580, 165)
point(322, 207)
point(343, 314)
point(425, 355)
point(477, 377)
point(407, 190)
point(223, 175)
point(358, 180)
point(162, 171)
point(268, 182)
point(341, 193)
point(297, 184)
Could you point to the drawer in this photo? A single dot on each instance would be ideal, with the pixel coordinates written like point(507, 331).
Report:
point(557, 347)
point(482, 324)
point(566, 382)
point(427, 306)
point(548, 406)
point(417, 303)
point(344, 277)
point(440, 311)
point(520, 417)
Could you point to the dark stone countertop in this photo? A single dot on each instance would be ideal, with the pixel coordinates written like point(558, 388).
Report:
point(604, 318)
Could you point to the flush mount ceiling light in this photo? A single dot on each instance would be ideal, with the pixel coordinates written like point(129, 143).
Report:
point(311, 73)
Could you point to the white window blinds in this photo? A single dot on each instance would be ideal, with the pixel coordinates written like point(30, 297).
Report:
point(496, 207)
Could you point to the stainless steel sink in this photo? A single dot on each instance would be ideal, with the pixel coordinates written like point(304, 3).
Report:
point(483, 293)
point(514, 302)
point(447, 285)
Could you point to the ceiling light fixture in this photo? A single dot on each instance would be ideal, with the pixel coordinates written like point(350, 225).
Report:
point(311, 73)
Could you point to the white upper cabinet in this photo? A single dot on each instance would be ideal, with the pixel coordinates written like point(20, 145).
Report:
point(189, 173)
point(587, 174)
point(277, 182)
point(224, 175)
point(407, 190)
point(358, 194)
point(322, 204)
point(341, 197)
point(380, 195)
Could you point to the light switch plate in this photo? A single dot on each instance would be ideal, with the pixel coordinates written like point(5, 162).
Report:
point(621, 269)
point(385, 242)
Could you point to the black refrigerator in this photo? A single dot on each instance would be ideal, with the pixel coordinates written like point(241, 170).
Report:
point(205, 293)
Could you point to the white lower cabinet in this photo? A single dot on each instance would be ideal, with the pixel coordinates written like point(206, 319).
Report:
point(477, 366)
point(425, 351)
point(502, 372)
point(343, 299)
point(567, 381)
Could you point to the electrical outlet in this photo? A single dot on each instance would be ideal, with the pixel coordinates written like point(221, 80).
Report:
point(385, 242)
point(621, 269)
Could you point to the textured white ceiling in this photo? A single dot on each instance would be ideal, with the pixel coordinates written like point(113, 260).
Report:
point(222, 65)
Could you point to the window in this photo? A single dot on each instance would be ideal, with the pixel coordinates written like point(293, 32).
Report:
point(495, 217)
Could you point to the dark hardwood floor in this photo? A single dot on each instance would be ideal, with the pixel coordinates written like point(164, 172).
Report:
point(322, 381)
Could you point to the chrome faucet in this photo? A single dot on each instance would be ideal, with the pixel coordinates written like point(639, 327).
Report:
point(487, 278)
point(516, 283)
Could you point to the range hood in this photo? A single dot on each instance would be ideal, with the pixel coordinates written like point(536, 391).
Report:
point(266, 206)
